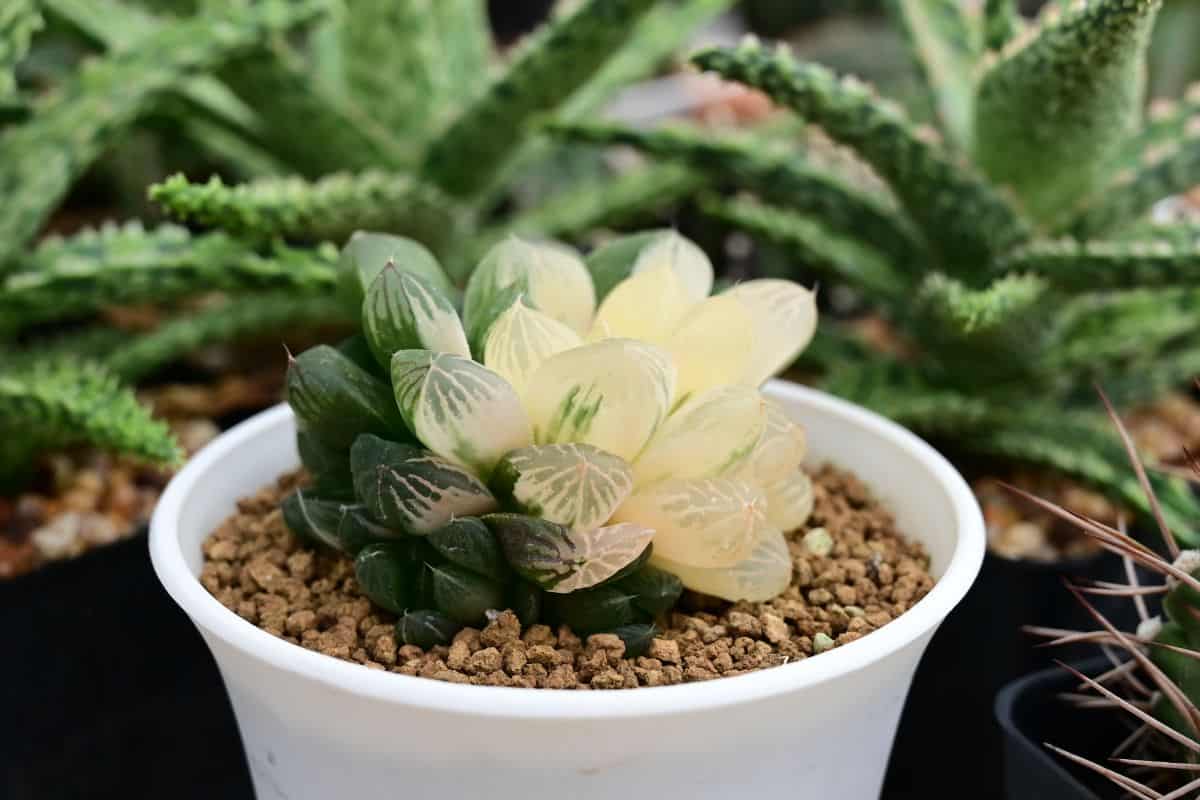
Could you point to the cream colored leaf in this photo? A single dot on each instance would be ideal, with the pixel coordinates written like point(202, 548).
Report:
point(576, 485)
point(647, 306)
point(789, 501)
point(780, 449)
point(521, 339)
point(612, 394)
point(785, 318)
point(711, 522)
point(459, 409)
point(553, 275)
point(681, 256)
point(762, 575)
point(711, 434)
point(710, 344)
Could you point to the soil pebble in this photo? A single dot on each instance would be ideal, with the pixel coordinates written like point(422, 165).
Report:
point(867, 576)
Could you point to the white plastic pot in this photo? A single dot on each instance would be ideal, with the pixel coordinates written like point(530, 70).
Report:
point(316, 727)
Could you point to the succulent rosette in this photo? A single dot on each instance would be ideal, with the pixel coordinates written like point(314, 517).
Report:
point(586, 436)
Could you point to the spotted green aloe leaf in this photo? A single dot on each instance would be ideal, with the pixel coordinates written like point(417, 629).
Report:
point(763, 574)
point(562, 560)
point(403, 311)
point(612, 394)
point(576, 485)
point(366, 254)
point(785, 319)
point(522, 338)
point(711, 434)
point(708, 522)
point(459, 409)
point(336, 400)
point(411, 489)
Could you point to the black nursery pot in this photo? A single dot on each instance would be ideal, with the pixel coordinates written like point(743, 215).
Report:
point(1029, 715)
point(978, 649)
point(107, 689)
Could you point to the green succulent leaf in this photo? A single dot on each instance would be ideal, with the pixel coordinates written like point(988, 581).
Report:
point(468, 543)
point(462, 595)
point(612, 262)
point(525, 600)
point(1053, 111)
point(411, 489)
point(366, 254)
point(653, 590)
point(19, 20)
point(331, 521)
point(426, 629)
point(576, 485)
point(387, 572)
point(336, 400)
point(458, 408)
point(402, 311)
point(603, 608)
point(943, 44)
point(1093, 265)
point(1001, 22)
point(637, 638)
point(561, 560)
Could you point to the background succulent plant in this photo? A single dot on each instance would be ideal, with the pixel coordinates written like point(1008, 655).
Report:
point(1012, 249)
point(408, 126)
point(586, 437)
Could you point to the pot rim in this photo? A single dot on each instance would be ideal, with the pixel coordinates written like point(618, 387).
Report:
point(212, 617)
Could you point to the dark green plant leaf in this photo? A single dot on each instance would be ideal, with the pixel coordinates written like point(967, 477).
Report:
point(337, 400)
point(426, 629)
point(653, 590)
point(468, 543)
point(525, 600)
point(462, 595)
point(366, 254)
point(357, 350)
point(637, 638)
point(331, 522)
point(387, 573)
point(403, 311)
point(412, 489)
point(328, 466)
point(602, 608)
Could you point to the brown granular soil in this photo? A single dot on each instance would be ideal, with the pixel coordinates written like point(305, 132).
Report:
point(310, 598)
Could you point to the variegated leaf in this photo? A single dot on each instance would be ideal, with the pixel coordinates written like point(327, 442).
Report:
point(789, 500)
point(553, 276)
point(785, 318)
point(411, 489)
point(780, 449)
point(521, 339)
point(710, 344)
point(647, 306)
point(366, 254)
point(459, 409)
point(576, 485)
point(682, 257)
point(612, 394)
point(405, 312)
point(762, 575)
point(711, 522)
point(561, 560)
point(709, 435)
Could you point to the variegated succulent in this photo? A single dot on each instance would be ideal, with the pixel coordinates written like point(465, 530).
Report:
point(587, 435)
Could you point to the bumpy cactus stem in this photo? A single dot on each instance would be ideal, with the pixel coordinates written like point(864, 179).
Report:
point(1071, 264)
point(19, 20)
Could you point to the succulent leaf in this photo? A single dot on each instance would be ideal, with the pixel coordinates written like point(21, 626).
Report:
point(468, 543)
point(525, 600)
point(426, 628)
point(612, 262)
point(711, 434)
point(944, 46)
point(1001, 23)
point(780, 448)
point(785, 319)
point(637, 638)
point(589, 611)
point(413, 490)
point(682, 257)
point(653, 590)
point(463, 595)
point(520, 339)
point(562, 560)
point(789, 501)
point(387, 572)
point(576, 485)
point(459, 408)
point(336, 400)
point(623, 312)
point(710, 343)
point(612, 394)
point(403, 311)
point(1091, 265)
point(366, 255)
point(763, 574)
